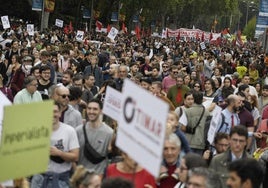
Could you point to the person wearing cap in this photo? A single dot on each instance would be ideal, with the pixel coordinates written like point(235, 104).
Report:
point(29, 93)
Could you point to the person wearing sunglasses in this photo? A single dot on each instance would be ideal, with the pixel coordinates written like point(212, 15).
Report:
point(170, 80)
point(69, 115)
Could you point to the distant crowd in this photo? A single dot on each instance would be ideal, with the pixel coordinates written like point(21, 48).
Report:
point(196, 83)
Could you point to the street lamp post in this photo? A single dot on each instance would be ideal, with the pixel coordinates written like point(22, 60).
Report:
point(247, 14)
point(91, 16)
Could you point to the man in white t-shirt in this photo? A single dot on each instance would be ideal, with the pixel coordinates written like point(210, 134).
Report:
point(64, 150)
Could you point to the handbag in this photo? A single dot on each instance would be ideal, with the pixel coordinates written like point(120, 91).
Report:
point(191, 130)
point(89, 152)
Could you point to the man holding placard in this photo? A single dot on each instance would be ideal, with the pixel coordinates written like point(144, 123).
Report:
point(64, 150)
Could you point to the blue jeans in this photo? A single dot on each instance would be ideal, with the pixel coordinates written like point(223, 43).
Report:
point(37, 182)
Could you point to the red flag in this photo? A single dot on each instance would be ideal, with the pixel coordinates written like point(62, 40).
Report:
point(143, 32)
point(197, 35)
point(225, 31)
point(108, 28)
point(98, 25)
point(124, 27)
point(179, 36)
point(71, 27)
point(203, 37)
point(211, 36)
point(137, 31)
point(66, 30)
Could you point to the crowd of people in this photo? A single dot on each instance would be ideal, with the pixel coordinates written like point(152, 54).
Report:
point(194, 82)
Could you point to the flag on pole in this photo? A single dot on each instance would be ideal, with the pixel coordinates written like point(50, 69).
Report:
point(108, 28)
point(98, 25)
point(179, 36)
point(124, 27)
point(71, 27)
point(137, 31)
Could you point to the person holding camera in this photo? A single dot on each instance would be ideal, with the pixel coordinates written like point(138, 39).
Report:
point(195, 129)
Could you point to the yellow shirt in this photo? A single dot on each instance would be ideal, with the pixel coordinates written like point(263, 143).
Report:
point(241, 70)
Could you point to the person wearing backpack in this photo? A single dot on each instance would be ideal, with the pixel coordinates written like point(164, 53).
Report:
point(229, 117)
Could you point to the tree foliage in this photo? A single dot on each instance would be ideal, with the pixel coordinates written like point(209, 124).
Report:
point(162, 13)
point(249, 30)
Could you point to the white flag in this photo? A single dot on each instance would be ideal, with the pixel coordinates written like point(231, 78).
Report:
point(30, 29)
point(112, 34)
point(5, 22)
point(59, 23)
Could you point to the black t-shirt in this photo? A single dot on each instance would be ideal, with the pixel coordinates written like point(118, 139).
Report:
point(43, 89)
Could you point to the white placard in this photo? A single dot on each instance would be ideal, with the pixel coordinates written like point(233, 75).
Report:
point(112, 34)
point(142, 126)
point(59, 23)
point(214, 124)
point(79, 35)
point(203, 46)
point(112, 103)
point(5, 22)
point(207, 101)
point(30, 29)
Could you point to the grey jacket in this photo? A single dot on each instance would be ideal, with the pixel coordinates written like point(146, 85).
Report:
point(220, 164)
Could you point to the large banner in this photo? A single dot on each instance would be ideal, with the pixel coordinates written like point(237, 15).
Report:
point(189, 34)
point(262, 19)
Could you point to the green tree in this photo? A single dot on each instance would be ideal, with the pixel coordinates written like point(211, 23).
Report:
point(249, 30)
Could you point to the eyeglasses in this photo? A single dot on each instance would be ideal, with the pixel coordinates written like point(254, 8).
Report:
point(45, 72)
point(64, 96)
point(238, 140)
point(174, 72)
point(54, 61)
point(197, 86)
point(165, 66)
point(36, 85)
